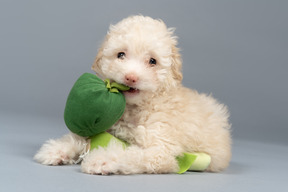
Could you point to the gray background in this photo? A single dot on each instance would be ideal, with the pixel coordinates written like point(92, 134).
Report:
point(236, 50)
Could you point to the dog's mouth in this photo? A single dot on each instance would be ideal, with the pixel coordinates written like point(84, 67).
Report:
point(132, 91)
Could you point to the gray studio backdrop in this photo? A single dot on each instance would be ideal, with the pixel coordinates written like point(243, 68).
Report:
point(236, 50)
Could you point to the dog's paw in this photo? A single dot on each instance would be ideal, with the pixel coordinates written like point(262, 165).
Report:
point(99, 162)
point(99, 166)
point(102, 161)
point(55, 153)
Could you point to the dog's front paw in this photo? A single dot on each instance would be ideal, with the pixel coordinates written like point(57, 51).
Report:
point(55, 153)
point(101, 162)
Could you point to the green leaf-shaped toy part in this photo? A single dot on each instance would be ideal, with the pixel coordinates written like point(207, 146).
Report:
point(103, 139)
point(115, 87)
point(193, 162)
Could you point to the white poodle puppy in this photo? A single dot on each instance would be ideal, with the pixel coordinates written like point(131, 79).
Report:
point(162, 118)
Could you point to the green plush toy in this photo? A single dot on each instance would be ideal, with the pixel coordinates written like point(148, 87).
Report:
point(94, 105)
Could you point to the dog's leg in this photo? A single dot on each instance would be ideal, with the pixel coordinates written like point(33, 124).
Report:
point(220, 152)
point(132, 160)
point(61, 151)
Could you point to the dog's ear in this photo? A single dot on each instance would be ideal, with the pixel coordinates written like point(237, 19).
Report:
point(176, 64)
point(97, 62)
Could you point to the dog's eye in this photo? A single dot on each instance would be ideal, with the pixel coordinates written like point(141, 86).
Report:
point(121, 55)
point(152, 61)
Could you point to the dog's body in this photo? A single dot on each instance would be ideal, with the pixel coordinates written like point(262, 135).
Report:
point(162, 119)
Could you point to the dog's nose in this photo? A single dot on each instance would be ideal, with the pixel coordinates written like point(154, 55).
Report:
point(131, 79)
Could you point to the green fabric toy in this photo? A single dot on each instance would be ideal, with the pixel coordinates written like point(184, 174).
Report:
point(94, 105)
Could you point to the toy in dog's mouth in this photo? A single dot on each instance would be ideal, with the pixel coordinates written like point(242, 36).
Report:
point(113, 86)
point(132, 91)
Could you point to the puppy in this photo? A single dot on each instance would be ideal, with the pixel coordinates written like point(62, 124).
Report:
point(162, 118)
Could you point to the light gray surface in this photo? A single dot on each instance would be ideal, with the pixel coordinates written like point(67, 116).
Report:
point(254, 167)
point(236, 50)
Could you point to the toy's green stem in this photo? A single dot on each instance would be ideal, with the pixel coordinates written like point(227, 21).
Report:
point(115, 87)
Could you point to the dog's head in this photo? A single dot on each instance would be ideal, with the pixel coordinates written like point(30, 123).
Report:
point(140, 52)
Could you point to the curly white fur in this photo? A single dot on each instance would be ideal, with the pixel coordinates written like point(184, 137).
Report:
point(162, 118)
